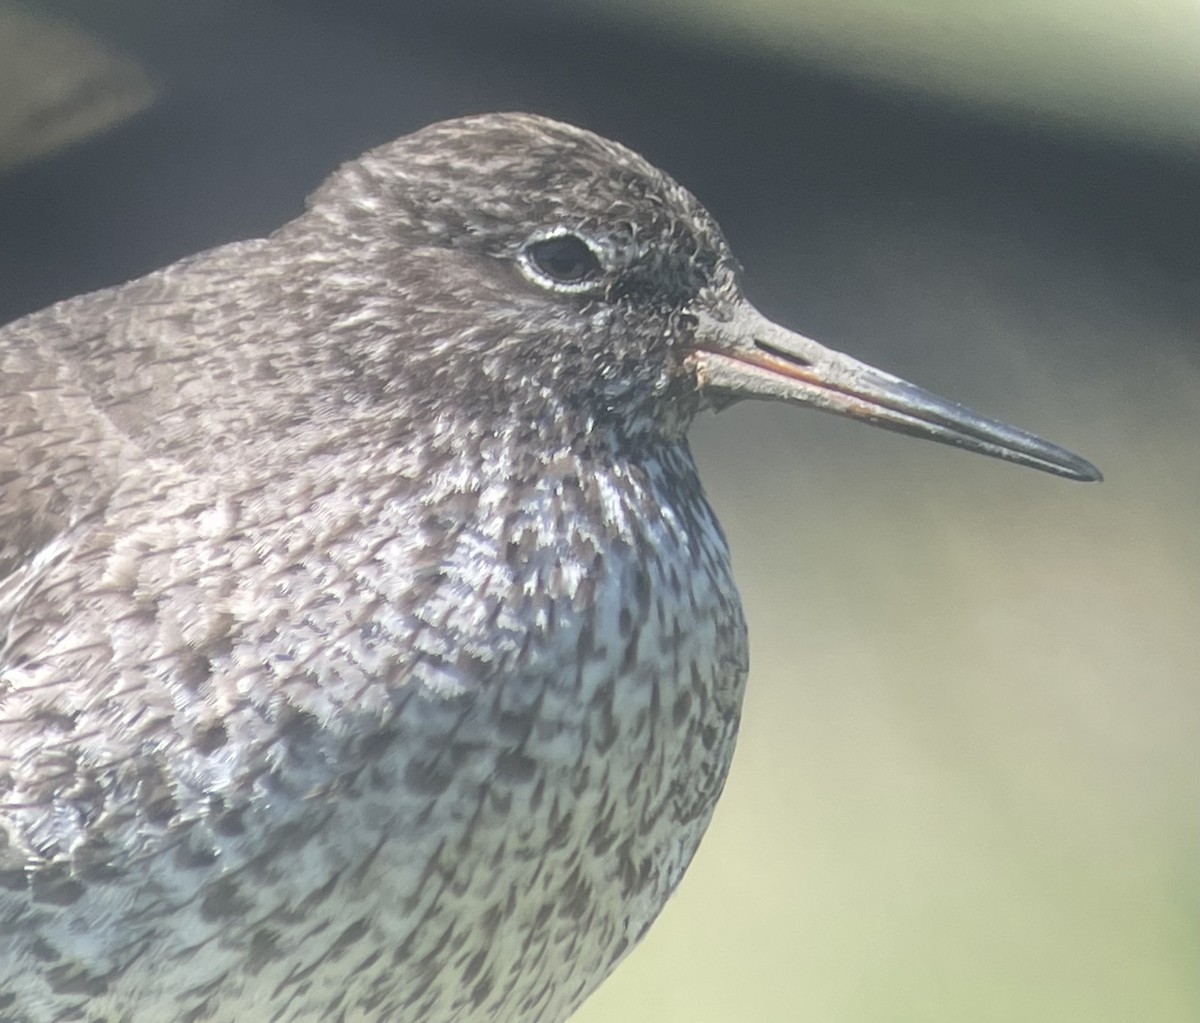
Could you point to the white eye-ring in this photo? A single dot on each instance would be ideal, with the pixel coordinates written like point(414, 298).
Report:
point(561, 260)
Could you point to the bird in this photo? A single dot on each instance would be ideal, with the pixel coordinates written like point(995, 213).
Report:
point(370, 650)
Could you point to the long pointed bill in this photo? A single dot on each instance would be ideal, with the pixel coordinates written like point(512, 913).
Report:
point(748, 356)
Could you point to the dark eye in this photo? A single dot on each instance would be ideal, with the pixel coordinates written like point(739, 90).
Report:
point(564, 260)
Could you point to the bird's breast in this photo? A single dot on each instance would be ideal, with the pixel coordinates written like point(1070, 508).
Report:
point(560, 732)
point(564, 751)
point(446, 761)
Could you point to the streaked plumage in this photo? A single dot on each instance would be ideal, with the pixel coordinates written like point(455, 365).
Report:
point(370, 650)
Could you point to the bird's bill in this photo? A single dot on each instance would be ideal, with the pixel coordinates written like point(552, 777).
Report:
point(748, 356)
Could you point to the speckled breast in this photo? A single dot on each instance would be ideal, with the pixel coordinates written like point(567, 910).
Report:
point(470, 807)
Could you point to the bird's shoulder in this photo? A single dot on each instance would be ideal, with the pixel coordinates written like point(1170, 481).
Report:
point(74, 384)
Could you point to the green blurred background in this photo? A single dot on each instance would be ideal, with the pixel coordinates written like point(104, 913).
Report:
point(967, 781)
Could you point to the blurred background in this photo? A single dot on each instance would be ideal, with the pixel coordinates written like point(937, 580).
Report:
point(968, 774)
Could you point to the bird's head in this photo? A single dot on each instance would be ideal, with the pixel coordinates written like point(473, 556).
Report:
point(520, 270)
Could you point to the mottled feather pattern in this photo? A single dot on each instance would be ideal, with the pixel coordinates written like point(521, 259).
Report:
point(371, 652)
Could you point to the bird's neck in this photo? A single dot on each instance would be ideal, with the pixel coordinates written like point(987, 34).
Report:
point(490, 548)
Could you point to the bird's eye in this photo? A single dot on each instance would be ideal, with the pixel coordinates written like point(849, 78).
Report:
point(564, 262)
